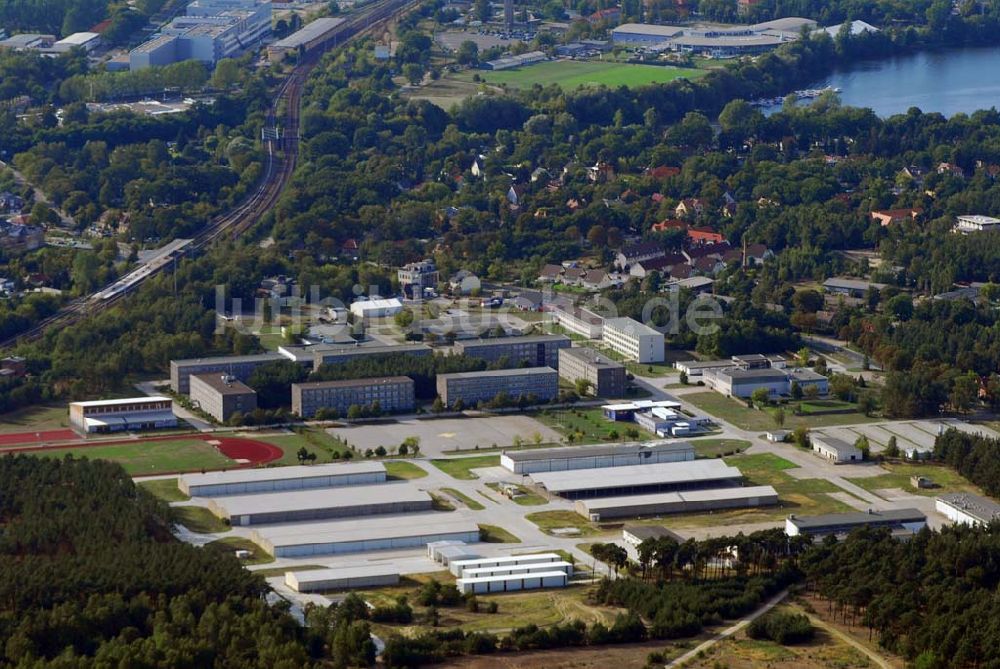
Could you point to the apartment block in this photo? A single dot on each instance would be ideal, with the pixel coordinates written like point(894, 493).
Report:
point(606, 377)
point(475, 387)
point(221, 395)
point(634, 340)
point(536, 351)
point(393, 393)
point(238, 366)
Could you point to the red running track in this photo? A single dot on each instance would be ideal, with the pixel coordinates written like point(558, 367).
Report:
point(37, 437)
point(257, 452)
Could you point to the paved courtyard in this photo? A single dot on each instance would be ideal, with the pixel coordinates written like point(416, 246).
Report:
point(446, 435)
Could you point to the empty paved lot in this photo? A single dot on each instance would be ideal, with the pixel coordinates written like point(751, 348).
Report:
point(443, 435)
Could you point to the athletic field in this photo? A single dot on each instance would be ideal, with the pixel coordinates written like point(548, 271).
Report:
point(572, 74)
point(149, 457)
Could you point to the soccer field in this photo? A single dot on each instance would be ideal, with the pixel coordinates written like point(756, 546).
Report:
point(572, 74)
point(149, 457)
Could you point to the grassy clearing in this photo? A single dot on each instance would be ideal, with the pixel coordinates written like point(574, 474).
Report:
point(820, 406)
point(313, 440)
point(736, 413)
point(164, 489)
point(570, 75)
point(494, 534)
point(198, 519)
point(547, 521)
point(407, 471)
point(149, 457)
point(899, 473)
point(231, 544)
point(713, 448)
point(38, 418)
point(461, 468)
point(588, 426)
point(465, 499)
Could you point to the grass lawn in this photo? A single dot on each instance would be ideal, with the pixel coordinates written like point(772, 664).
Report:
point(232, 544)
point(313, 440)
point(468, 501)
point(555, 520)
point(820, 406)
point(37, 418)
point(652, 369)
point(198, 519)
point(460, 468)
point(164, 489)
point(149, 457)
point(898, 476)
point(587, 425)
point(494, 534)
point(400, 469)
point(736, 413)
point(526, 498)
point(713, 448)
point(570, 75)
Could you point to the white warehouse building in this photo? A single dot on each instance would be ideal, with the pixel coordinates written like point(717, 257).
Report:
point(634, 340)
point(593, 457)
point(967, 509)
point(281, 479)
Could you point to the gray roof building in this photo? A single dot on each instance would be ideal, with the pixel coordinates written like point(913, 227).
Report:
point(911, 520)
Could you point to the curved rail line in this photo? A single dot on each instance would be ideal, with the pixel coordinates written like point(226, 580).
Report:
point(282, 156)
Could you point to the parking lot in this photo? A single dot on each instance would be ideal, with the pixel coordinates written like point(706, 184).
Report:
point(441, 436)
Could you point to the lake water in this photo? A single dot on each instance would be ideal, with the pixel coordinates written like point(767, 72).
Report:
point(949, 82)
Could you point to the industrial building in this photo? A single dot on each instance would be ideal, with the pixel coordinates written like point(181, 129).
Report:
point(534, 351)
point(742, 382)
point(446, 552)
point(716, 41)
point(342, 578)
point(688, 501)
point(221, 395)
point(338, 355)
point(368, 534)
point(281, 479)
point(640, 479)
point(835, 450)
point(902, 522)
point(392, 393)
point(86, 41)
point(540, 383)
point(626, 411)
point(27, 41)
point(299, 506)
point(509, 62)
point(512, 582)
point(968, 509)
point(304, 39)
point(509, 570)
point(607, 378)
point(209, 31)
point(633, 535)
point(376, 308)
point(458, 567)
point(133, 413)
point(537, 460)
point(633, 340)
point(666, 422)
point(238, 366)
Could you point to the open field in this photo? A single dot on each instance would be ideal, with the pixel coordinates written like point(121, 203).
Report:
point(164, 489)
point(314, 441)
point(198, 519)
point(587, 426)
point(737, 414)
point(573, 74)
point(947, 479)
point(713, 448)
point(149, 457)
point(460, 468)
point(36, 418)
point(548, 521)
point(232, 544)
point(406, 471)
point(494, 534)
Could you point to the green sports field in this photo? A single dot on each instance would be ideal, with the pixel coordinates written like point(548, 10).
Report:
point(572, 74)
point(149, 457)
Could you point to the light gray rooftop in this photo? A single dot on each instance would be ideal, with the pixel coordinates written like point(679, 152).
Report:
point(979, 507)
point(590, 356)
point(282, 473)
point(636, 475)
point(366, 529)
point(507, 341)
point(229, 359)
point(522, 371)
point(630, 326)
point(677, 497)
point(837, 520)
point(315, 575)
point(321, 498)
point(598, 450)
point(311, 31)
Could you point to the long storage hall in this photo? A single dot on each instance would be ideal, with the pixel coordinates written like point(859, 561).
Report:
point(280, 479)
point(512, 583)
point(640, 479)
point(341, 578)
point(692, 501)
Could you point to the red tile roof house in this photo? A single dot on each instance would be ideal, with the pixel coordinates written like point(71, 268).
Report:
point(895, 216)
point(669, 224)
point(663, 172)
point(702, 236)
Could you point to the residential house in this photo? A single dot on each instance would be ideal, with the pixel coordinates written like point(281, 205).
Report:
point(16, 237)
point(573, 276)
point(681, 271)
point(350, 249)
point(952, 169)
point(10, 202)
point(756, 254)
point(700, 236)
point(633, 253)
point(539, 173)
point(601, 172)
point(528, 300)
point(663, 172)
point(850, 287)
point(888, 217)
point(597, 279)
point(14, 366)
point(611, 15)
point(714, 251)
point(662, 264)
point(478, 168)
point(464, 282)
point(515, 195)
point(691, 207)
point(915, 173)
point(551, 274)
point(669, 224)
point(7, 286)
point(708, 265)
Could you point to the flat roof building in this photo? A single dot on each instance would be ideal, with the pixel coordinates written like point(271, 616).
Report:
point(633, 340)
point(513, 582)
point(342, 578)
point(458, 567)
point(976, 223)
point(533, 350)
point(851, 287)
point(640, 479)
point(133, 413)
point(221, 395)
point(579, 321)
point(835, 450)
point(338, 355)
point(239, 366)
point(968, 509)
point(688, 501)
point(539, 383)
point(901, 520)
point(369, 534)
point(306, 38)
point(299, 506)
point(376, 307)
point(392, 393)
point(84, 40)
point(281, 479)
point(538, 460)
point(606, 377)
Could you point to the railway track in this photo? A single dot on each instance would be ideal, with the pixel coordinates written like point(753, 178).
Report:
point(282, 157)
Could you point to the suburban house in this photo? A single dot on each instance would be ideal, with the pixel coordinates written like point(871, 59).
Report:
point(703, 235)
point(689, 208)
point(662, 264)
point(601, 173)
point(952, 169)
point(479, 167)
point(888, 217)
point(551, 273)
point(713, 251)
point(663, 172)
point(669, 224)
point(515, 194)
point(597, 279)
point(611, 15)
point(633, 253)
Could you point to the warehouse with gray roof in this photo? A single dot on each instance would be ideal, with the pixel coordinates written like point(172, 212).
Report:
point(281, 479)
point(640, 479)
point(688, 501)
point(342, 578)
point(536, 460)
point(899, 521)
